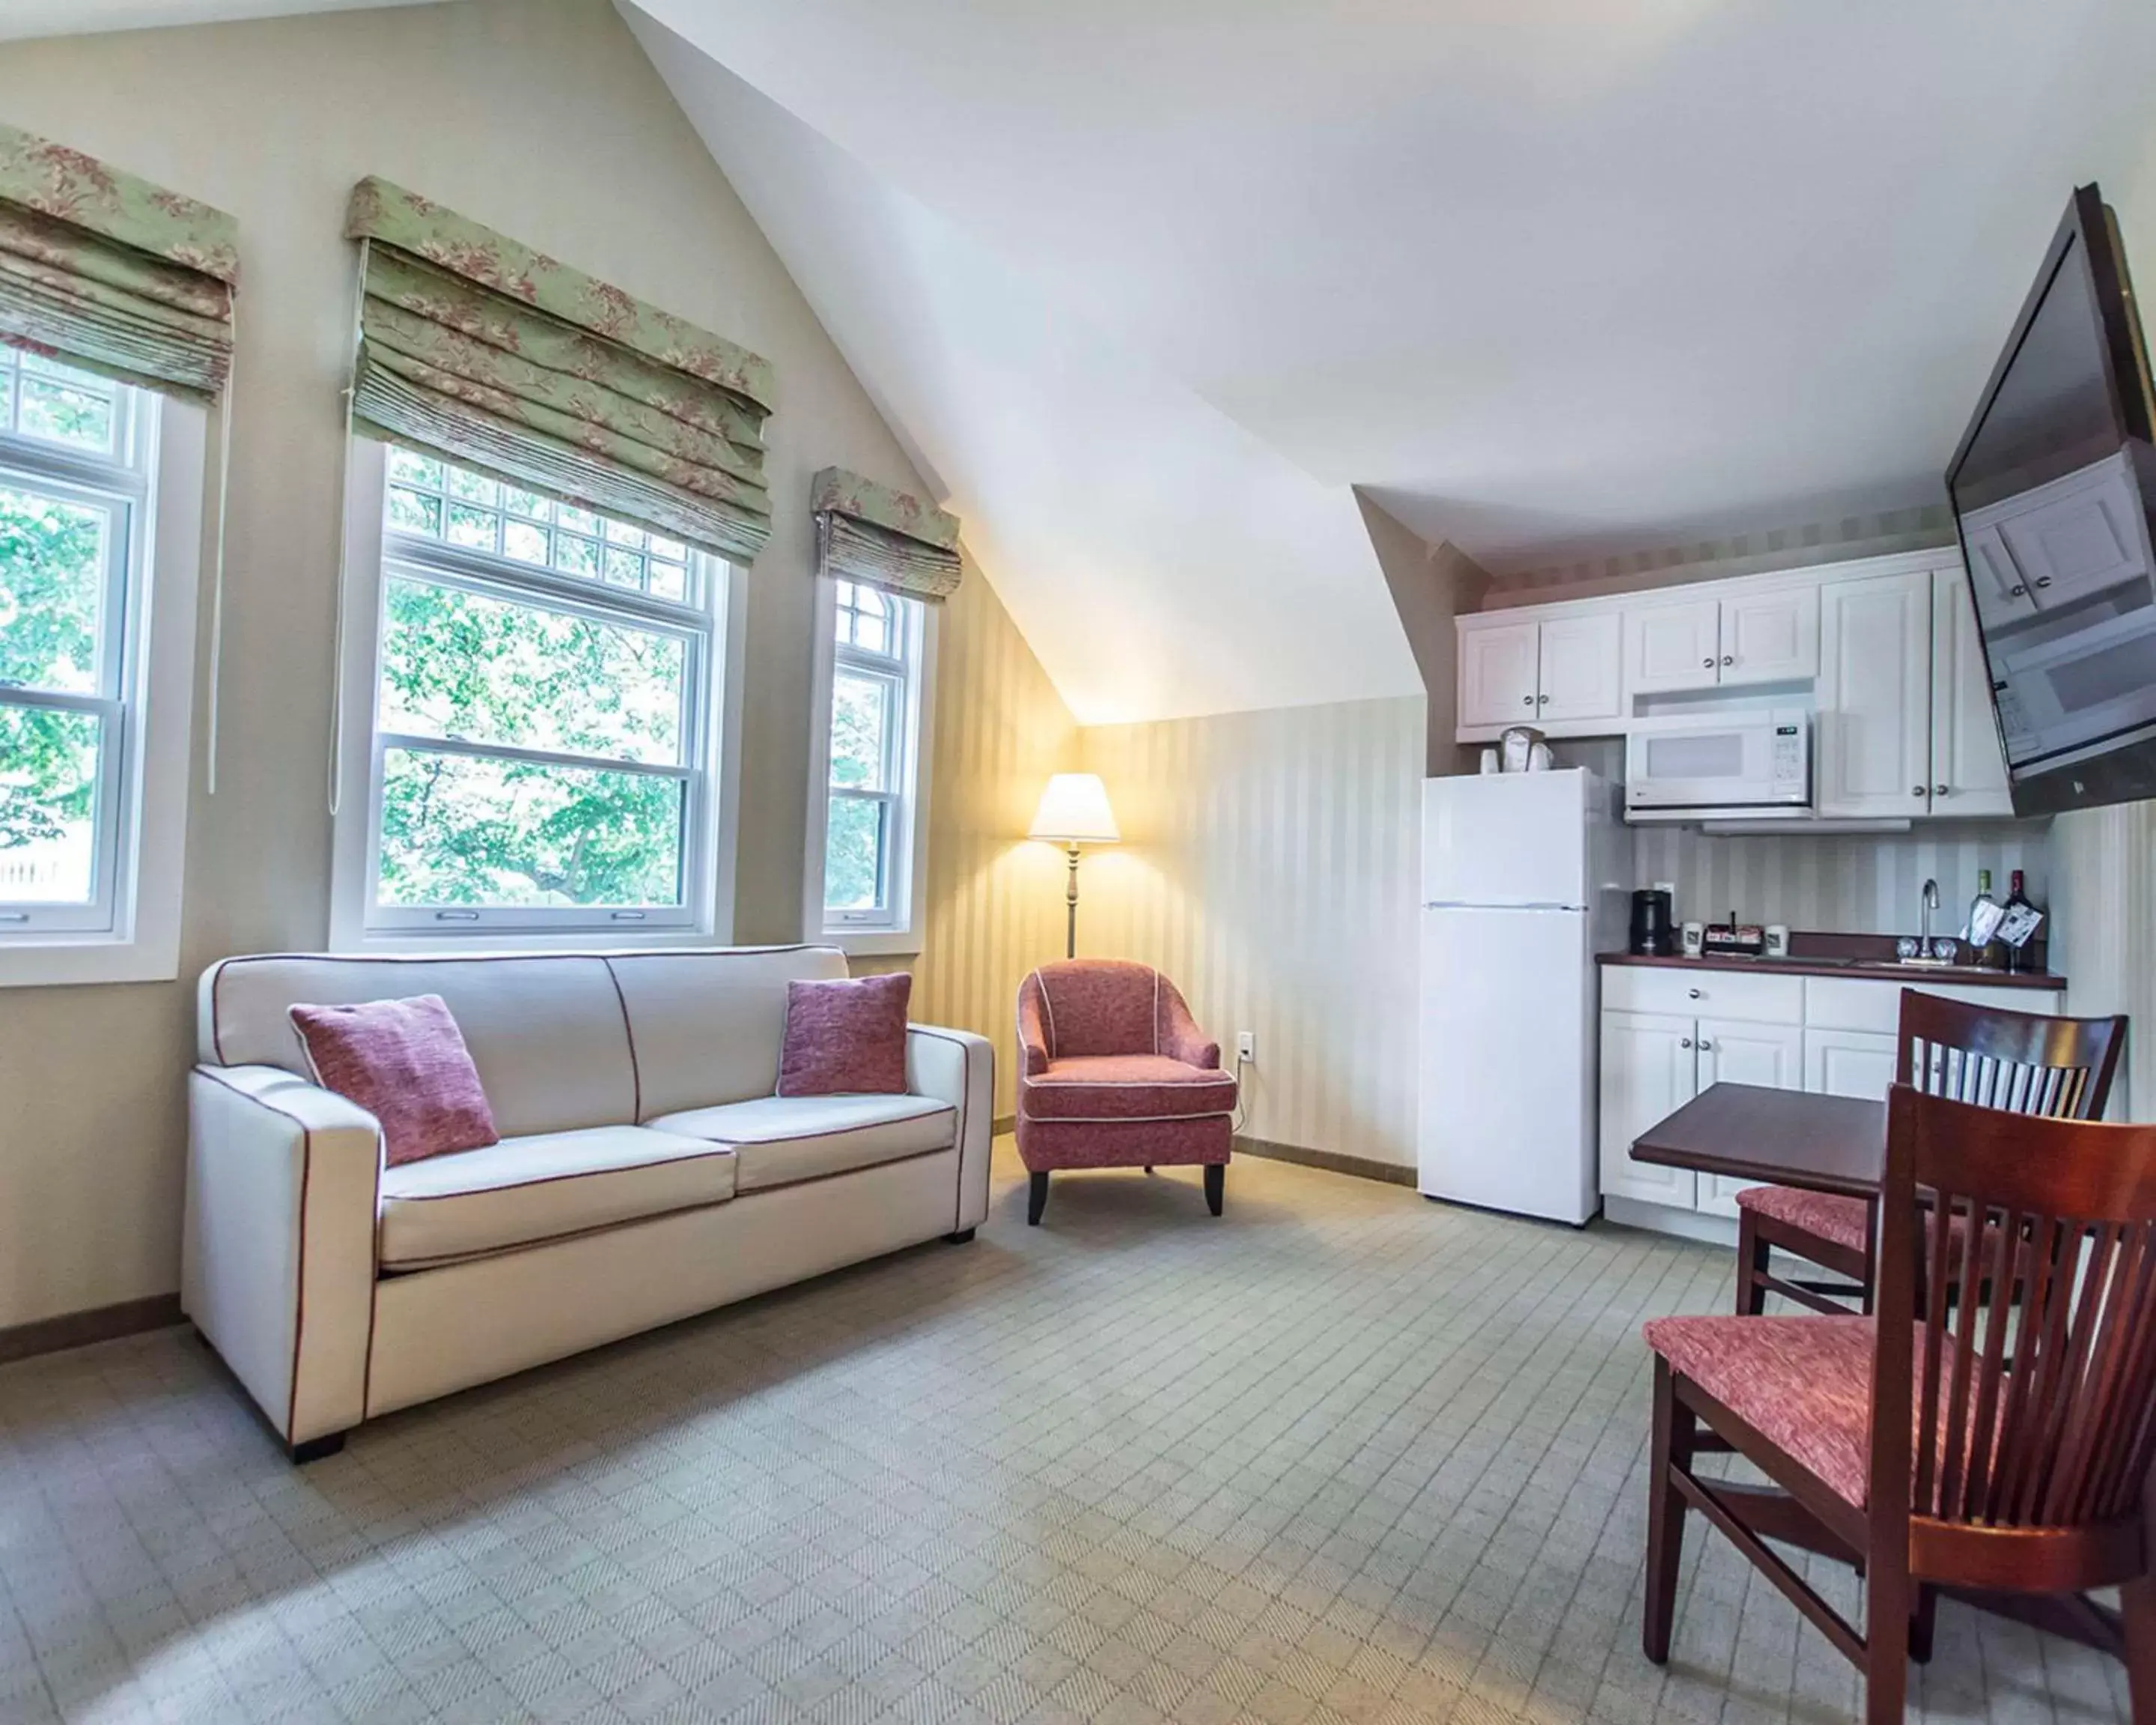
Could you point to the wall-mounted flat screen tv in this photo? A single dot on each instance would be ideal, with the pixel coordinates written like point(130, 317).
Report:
point(2054, 489)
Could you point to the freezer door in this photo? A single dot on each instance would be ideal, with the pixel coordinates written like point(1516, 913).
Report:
point(1507, 839)
point(1507, 1062)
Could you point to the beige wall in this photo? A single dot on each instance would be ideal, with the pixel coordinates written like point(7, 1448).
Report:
point(541, 118)
point(1431, 585)
point(1270, 870)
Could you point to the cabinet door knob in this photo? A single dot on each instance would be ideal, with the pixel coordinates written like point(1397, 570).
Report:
point(1939, 790)
point(1543, 699)
point(1729, 659)
point(1705, 1046)
point(1915, 790)
point(2015, 592)
point(1694, 993)
point(1684, 1042)
point(1706, 663)
point(2043, 581)
point(1527, 701)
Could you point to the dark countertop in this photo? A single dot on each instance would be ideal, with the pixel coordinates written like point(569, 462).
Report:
point(1969, 975)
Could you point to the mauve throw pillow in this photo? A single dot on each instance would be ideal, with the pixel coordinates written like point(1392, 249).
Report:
point(846, 1037)
point(405, 1062)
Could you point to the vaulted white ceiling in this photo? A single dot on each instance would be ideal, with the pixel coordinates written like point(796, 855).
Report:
point(78, 18)
point(1146, 287)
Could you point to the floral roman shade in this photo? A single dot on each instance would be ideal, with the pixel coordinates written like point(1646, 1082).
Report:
point(869, 532)
point(111, 274)
point(475, 347)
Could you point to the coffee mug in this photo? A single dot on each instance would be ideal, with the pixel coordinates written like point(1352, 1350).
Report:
point(1778, 940)
point(1695, 939)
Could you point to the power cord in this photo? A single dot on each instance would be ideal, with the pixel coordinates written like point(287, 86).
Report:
point(1242, 1097)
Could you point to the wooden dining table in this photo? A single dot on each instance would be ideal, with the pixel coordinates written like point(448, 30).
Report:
point(1824, 1143)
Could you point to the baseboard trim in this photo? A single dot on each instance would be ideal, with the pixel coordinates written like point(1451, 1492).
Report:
point(78, 1329)
point(1002, 1124)
point(1333, 1161)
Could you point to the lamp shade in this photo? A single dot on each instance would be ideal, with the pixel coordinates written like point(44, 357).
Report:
point(1073, 810)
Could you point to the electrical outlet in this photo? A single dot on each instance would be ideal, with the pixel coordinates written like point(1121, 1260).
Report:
point(1246, 1045)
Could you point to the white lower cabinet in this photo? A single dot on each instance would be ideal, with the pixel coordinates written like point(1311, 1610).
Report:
point(1769, 1055)
point(1648, 1073)
point(1669, 1033)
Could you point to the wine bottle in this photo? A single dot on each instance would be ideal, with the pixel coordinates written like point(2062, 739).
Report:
point(2023, 957)
point(1986, 950)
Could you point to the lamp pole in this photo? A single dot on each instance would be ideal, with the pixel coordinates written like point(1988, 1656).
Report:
point(1071, 903)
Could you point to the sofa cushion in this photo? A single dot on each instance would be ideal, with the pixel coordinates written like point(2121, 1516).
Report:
point(404, 1062)
point(1125, 1087)
point(779, 1140)
point(846, 1037)
point(535, 1188)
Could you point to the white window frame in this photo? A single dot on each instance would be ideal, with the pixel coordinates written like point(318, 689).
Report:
point(900, 927)
point(154, 482)
point(713, 633)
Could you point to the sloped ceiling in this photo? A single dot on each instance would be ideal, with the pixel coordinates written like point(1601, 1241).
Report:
point(79, 18)
point(1147, 287)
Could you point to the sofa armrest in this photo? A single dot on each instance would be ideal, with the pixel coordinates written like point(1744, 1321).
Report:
point(277, 1257)
point(1180, 1038)
point(957, 1067)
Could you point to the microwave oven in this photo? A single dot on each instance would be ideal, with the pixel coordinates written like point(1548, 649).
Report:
point(1701, 766)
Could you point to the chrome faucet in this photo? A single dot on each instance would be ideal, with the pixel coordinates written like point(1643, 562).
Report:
point(1931, 903)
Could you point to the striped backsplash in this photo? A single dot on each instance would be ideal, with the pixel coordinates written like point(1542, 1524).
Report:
point(1270, 870)
point(1858, 883)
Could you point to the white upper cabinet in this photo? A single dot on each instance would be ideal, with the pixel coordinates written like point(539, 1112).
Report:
point(1969, 770)
point(1873, 742)
point(1563, 671)
point(1499, 674)
point(2060, 541)
point(1771, 637)
point(1579, 670)
point(1767, 637)
point(1672, 647)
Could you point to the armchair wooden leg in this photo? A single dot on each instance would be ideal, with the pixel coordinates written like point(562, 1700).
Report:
point(1924, 1624)
point(1675, 1427)
point(1036, 1199)
point(1216, 1185)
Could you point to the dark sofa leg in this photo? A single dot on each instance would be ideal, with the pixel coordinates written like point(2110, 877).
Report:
point(961, 1238)
point(314, 1448)
point(1216, 1185)
point(1036, 1199)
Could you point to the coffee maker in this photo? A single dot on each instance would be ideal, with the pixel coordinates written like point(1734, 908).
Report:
point(1654, 924)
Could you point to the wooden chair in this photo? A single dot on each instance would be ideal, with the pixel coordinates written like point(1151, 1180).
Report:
point(2025, 1063)
point(1913, 1444)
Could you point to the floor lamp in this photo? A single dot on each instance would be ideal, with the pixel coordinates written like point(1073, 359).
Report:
point(1073, 810)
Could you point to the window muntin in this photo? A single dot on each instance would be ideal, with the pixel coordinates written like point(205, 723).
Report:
point(541, 699)
point(874, 700)
point(75, 455)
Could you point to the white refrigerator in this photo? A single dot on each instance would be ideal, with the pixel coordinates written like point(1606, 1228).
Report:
point(1526, 876)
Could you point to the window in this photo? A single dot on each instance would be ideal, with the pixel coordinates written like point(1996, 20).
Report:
point(542, 689)
point(93, 793)
point(870, 768)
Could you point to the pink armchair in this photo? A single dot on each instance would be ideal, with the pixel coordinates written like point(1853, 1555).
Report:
point(1113, 1072)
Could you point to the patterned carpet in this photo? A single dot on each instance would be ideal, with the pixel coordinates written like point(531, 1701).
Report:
point(1344, 1454)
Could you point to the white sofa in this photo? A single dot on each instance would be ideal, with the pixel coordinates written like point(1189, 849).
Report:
point(646, 1171)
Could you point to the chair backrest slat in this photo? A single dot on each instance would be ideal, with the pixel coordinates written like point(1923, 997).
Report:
point(2030, 1395)
point(2021, 1062)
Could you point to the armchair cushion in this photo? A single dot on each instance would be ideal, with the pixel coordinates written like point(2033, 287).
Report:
point(405, 1062)
point(1125, 1087)
point(541, 1187)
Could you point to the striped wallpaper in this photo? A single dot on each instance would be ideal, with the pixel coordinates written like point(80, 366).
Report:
point(1270, 870)
point(2105, 862)
point(995, 902)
